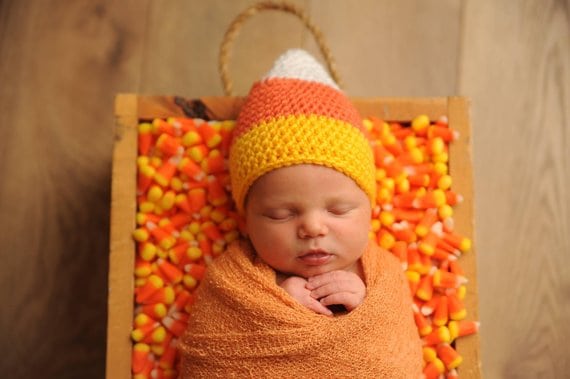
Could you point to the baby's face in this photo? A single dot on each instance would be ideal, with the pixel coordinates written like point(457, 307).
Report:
point(306, 220)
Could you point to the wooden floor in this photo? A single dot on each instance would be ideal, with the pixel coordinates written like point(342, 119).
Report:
point(62, 62)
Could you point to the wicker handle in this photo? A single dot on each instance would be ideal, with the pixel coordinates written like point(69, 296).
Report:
point(233, 30)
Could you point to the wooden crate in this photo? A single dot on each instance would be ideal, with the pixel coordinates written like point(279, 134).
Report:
point(130, 108)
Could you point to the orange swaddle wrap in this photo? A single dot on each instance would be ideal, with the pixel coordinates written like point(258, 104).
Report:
point(244, 324)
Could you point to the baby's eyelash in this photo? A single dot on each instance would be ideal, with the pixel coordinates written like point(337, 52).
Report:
point(339, 211)
point(278, 215)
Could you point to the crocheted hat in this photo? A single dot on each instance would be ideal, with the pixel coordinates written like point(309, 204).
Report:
point(296, 114)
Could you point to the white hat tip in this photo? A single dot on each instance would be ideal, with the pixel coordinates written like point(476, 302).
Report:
point(299, 64)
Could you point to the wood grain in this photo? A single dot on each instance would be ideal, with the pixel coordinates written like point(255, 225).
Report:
point(516, 67)
point(63, 62)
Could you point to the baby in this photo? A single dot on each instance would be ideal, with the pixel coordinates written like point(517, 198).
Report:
point(303, 175)
point(310, 223)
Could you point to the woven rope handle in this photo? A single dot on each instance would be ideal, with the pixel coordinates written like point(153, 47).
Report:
point(233, 31)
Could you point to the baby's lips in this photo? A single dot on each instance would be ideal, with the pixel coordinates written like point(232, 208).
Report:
point(315, 258)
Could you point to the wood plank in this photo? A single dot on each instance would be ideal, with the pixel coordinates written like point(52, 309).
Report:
point(122, 246)
point(460, 168)
point(61, 64)
point(516, 68)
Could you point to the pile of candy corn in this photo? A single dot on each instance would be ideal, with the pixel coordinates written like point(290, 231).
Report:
point(185, 218)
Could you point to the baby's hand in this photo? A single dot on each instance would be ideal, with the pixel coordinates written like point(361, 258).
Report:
point(296, 287)
point(338, 287)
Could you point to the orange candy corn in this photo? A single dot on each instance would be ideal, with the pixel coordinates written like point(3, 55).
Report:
point(423, 325)
point(457, 241)
point(447, 279)
point(144, 138)
point(145, 178)
point(462, 328)
point(425, 287)
point(152, 285)
point(170, 271)
point(216, 193)
point(214, 163)
point(400, 250)
point(198, 153)
point(196, 270)
point(168, 357)
point(424, 225)
point(142, 332)
point(433, 369)
point(155, 311)
point(140, 357)
point(210, 135)
point(173, 325)
point(456, 308)
point(440, 316)
point(439, 335)
point(168, 145)
point(165, 172)
point(428, 243)
point(191, 169)
point(197, 199)
point(164, 295)
point(449, 356)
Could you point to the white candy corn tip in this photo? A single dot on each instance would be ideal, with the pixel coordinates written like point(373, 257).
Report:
point(299, 64)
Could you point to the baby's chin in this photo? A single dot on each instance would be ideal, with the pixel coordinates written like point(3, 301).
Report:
point(319, 270)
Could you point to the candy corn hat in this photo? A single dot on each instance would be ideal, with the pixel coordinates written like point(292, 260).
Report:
point(296, 114)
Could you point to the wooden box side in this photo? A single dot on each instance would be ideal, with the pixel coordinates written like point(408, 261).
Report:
point(122, 246)
point(461, 170)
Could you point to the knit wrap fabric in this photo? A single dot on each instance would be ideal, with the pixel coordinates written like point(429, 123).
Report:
point(275, 336)
point(297, 115)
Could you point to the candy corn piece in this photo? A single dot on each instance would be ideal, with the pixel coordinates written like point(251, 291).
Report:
point(155, 311)
point(449, 356)
point(191, 169)
point(425, 287)
point(168, 145)
point(433, 369)
point(447, 279)
point(437, 336)
point(216, 193)
point(153, 284)
point(462, 328)
point(440, 316)
point(175, 326)
point(209, 135)
point(170, 271)
point(213, 163)
point(457, 310)
point(164, 295)
point(429, 353)
point(168, 357)
point(424, 327)
point(140, 357)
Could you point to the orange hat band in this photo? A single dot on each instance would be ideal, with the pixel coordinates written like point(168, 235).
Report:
point(277, 97)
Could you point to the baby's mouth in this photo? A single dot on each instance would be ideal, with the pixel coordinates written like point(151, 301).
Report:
point(315, 257)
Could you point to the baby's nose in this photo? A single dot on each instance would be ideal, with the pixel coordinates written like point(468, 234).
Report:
point(311, 226)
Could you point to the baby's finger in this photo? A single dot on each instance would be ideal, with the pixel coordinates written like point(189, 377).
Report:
point(328, 277)
point(349, 300)
point(318, 307)
point(330, 288)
